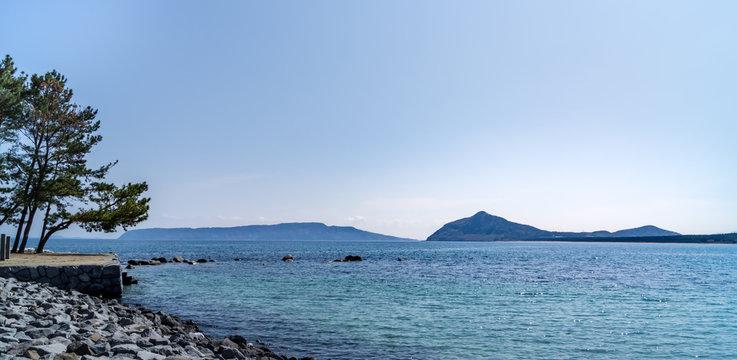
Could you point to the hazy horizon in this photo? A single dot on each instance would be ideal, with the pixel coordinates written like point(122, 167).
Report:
point(397, 118)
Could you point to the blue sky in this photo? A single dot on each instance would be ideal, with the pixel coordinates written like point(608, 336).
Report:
point(399, 116)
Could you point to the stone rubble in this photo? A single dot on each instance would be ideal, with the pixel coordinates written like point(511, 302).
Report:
point(38, 321)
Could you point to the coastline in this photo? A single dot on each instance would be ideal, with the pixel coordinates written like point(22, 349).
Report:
point(39, 321)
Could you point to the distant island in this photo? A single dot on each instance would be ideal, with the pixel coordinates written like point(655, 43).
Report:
point(286, 231)
point(486, 227)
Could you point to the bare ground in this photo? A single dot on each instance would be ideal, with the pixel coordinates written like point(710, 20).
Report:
point(60, 259)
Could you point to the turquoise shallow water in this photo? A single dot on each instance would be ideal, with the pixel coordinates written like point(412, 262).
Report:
point(449, 300)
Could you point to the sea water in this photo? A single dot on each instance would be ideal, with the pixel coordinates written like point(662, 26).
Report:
point(448, 300)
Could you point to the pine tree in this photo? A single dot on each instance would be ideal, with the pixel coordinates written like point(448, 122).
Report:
point(50, 169)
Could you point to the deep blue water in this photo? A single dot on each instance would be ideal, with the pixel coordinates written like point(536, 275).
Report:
point(448, 300)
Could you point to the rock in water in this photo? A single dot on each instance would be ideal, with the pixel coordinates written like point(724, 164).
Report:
point(349, 258)
point(287, 258)
point(177, 259)
point(143, 262)
point(128, 280)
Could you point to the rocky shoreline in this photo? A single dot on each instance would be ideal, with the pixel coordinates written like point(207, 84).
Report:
point(38, 321)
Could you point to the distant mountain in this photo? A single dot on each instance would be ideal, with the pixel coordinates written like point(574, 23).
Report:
point(647, 230)
point(287, 231)
point(486, 227)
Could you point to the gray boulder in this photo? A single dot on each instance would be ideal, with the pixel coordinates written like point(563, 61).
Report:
point(31, 354)
point(39, 333)
point(119, 338)
point(162, 350)
point(50, 349)
point(66, 356)
point(230, 353)
point(147, 355)
point(126, 349)
point(81, 348)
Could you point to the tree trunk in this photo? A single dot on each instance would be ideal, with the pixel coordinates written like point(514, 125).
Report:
point(24, 199)
point(31, 214)
point(42, 240)
point(20, 228)
point(46, 222)
point(35, 191)
point(42, 243)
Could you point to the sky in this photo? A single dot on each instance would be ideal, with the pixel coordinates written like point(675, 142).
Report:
point(400, 116)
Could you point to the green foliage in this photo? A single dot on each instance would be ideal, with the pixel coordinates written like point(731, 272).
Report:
point(115, 207)
point(11, 96)
point(44, 166)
